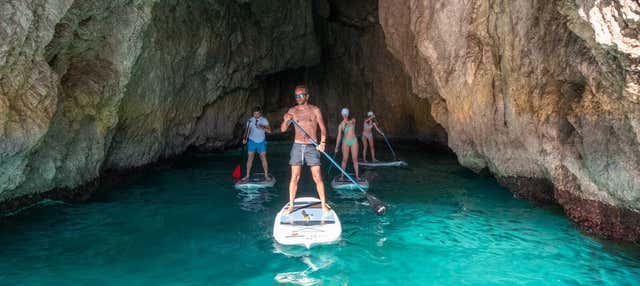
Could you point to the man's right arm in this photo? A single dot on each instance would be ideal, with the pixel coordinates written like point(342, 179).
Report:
point(286, 121)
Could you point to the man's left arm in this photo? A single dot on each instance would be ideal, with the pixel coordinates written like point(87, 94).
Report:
point(323, 129)
point(266, 126)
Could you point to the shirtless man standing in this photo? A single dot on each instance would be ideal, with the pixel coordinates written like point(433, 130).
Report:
point(303, 151)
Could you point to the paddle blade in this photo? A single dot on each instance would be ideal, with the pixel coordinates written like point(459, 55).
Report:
point(237, 173)
point(376, 205)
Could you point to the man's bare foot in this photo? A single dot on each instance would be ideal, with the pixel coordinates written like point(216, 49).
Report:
point(365, 160)
point(266, 177)
point(358, 178)
point(325, 214)
point(245, 178)
point(289, 210)
point(325, 209)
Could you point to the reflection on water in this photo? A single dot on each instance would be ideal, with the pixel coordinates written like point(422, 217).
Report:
point(253, 200)
point(187, 225)
point(311, 261)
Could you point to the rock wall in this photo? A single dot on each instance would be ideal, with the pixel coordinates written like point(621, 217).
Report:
point(88, 86)
point(355, 71)
point(544, 94)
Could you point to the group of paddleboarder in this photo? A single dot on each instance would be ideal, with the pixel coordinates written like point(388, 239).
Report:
point(306, 148)
point(349, 146)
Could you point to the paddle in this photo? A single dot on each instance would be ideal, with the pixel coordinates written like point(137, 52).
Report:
point(376, 205)
point(335, 154)
point(237, 171)
point(305, 206)
point(389, 145)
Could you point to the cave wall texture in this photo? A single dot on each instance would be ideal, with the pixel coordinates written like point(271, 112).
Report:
point(356, 71)
point(95, 85)
point(543, 94)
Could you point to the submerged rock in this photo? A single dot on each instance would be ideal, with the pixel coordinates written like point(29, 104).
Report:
point(534, 90)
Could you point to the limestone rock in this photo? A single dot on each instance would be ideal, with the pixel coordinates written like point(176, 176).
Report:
point(356, 71)
point(88, 86)
point(528, 88)
point(544, 94)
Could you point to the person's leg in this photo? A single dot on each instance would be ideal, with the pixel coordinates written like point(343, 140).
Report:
point(293, 186)
point(295, 160)
point(249, 164)
point(364, 148)
point(265, 165)
point(262, 150)
point(354, 159)
point(345, 158)
point(317, 178)
point(373, 149)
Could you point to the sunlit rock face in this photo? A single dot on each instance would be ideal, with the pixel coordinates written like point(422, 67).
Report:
point(94, 85)
point(543, 94)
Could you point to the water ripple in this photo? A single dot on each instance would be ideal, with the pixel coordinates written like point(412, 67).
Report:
point(187, 226)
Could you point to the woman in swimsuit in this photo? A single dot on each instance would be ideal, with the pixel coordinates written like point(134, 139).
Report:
point(367, 136)
point(349, 142)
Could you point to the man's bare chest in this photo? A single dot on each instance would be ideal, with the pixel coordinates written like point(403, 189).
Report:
point(304, 116)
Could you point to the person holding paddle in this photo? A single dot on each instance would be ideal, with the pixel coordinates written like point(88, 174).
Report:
point(349, 142)
point(367, 136)
point(254, 134)
point(308, 117)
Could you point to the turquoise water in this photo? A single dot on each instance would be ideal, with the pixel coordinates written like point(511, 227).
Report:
point(186, 225)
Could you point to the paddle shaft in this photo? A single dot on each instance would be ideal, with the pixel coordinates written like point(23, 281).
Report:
point(335, 154)
point(243, 160)
point(390, 148)
point(376, 205)
point(244, 149)
point(305, 206)
point(328, 157)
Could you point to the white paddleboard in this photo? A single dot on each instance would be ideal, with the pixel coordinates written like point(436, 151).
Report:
point(256, 181)
point(383, 164)
point(306, 225)
point(346, 184)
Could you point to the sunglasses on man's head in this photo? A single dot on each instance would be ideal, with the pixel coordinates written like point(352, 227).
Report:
point(300, 95)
